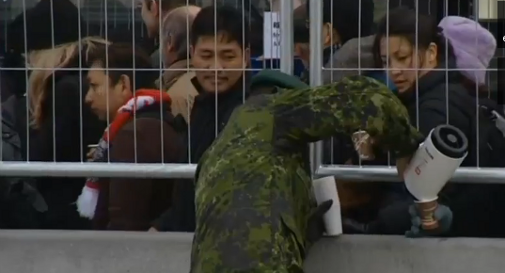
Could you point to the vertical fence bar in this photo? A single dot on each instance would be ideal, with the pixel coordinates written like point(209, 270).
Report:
point(315, 69)
point(475, 6)
point(287, 47)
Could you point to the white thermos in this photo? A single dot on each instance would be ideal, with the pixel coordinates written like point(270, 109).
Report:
point(433, 164)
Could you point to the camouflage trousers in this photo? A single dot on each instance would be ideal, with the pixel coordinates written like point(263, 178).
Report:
point(273, 248)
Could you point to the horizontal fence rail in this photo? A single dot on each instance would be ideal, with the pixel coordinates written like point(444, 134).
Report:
point(89, 169)
point(343, 172)
point(389, 174)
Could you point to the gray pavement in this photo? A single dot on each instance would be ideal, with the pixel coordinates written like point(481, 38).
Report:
point(125, 252)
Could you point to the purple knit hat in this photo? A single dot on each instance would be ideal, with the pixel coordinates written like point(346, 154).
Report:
point(474, 46)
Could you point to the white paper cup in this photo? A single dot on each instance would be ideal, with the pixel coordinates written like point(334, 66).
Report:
point(325, 189)
point(363, 145)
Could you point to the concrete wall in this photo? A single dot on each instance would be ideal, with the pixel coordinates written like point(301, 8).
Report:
point(118, 252)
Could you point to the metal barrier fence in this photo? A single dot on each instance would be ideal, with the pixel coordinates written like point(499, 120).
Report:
point(366, 173)
point(355, 173)
point(83, 252)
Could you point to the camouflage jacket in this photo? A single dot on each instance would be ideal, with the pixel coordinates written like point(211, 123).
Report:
point(253, 197)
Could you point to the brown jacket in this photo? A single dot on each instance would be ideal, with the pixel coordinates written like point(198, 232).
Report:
point(178, 85)
point(176, 70)
point(132, 204)
point(183, 94)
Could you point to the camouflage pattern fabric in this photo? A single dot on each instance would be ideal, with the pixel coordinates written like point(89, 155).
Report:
point(253, 197)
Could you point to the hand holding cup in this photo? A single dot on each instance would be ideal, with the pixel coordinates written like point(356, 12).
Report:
point(363, 144)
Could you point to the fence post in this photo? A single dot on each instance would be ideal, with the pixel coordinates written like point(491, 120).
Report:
point(287, 47)
point(315, 70)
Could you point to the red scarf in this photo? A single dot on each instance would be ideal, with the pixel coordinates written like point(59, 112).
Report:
point(87, 201)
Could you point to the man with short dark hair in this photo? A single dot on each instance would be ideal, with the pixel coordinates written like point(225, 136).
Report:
point(121, 93)
point(219, 41)
point(219, 54)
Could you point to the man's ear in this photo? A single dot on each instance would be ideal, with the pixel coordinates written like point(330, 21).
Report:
point(191, 51)
point(168, 47)
point(126, 84)
point(432, 53)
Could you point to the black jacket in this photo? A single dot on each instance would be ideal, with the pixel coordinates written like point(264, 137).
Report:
point(60, 138)
point(21, 205)
point(438, 103)
point(205, 124)
point(13, 79)
point(474, 206)
point(204, 127)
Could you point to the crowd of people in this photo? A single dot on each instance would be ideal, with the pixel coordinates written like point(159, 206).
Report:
point(104, 99)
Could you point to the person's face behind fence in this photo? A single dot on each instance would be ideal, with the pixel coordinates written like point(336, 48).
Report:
point(104, 96)
point(404, 62)
point(329, 38)
point(223, 59)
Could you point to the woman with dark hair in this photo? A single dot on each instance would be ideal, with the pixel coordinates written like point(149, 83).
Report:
point(436, 47)
point(436, 69)
point(414, 50)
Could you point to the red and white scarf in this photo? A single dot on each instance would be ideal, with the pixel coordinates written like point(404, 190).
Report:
point(87, 201)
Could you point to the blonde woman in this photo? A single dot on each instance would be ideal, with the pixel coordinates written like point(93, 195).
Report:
point(63, 124)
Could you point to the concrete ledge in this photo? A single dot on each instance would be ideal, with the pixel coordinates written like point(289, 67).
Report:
point(122, 252)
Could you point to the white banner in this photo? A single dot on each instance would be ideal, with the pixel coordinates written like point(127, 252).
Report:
point(271, 35)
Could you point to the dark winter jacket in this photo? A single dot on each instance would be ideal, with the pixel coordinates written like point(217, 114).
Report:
point(63, 136)
point(202, 131)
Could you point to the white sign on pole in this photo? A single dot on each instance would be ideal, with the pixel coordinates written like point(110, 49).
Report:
point(271, 35)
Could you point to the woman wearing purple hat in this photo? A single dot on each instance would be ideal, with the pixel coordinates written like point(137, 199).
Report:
point(473, 48)
point(437, 70)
